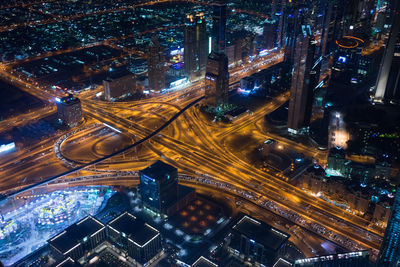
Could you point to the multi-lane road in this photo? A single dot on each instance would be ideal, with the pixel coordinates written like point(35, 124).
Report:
point(191, 143)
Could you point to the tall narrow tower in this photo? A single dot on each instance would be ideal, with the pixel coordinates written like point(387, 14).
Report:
point(301, 92)
point(217, 79)
point(195, 44)
point(383, 89)
point(155, 65)
point(219, 26)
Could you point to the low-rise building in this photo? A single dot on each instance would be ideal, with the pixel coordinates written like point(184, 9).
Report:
point(78, 238)
point(141, 240)
point(257, 240)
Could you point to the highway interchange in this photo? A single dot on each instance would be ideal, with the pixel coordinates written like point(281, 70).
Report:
point(192, 143)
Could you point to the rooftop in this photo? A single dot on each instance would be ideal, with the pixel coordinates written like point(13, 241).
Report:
point(75, 233)
point(135, 229)
point(261, 233)
point(203, 262)
point(68, 262)
point(158, 169)
point(68, 100)
point(282, 263)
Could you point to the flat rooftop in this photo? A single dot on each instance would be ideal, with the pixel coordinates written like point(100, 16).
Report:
point(134, 228)
point(68, 262)
point(282, 263)
point(75, 233)
point(261, 233)
point(158, 169)
point(203, 262)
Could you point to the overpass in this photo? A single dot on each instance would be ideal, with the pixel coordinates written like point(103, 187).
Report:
point(51, 179)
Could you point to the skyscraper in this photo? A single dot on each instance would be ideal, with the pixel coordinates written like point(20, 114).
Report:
point(217, 79)
point(159, 186)
point(389, 254)
point(387, 85)
point(155, 65)
point(195, 44)
point(219, 26)
point(269, 34)
point(301, 92)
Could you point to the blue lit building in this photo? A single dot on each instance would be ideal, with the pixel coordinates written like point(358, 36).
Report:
point(158, 187)
point(389, 254)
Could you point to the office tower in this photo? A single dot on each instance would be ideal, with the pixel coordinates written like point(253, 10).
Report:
point(269, 34)
point(195, 44)
point(349, 259)
point(155, 65)
point(389, 254)
point(119, 84)
point(293, 20)
point(69, 110)
point(219, 26)
point(217, 79)
point(327, 29)
point(387, 85)
point(158, 186)
point(301, 92)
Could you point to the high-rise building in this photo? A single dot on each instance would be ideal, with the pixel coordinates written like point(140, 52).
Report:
point(292, 21)
point(217, 79)
point(69, 110)
point(349, 259)
point(155, 65)
point(301, 92)
point(219, 26)
point(269, 34)
point(389, 254)
point(158, 187)
point(388, 82)
point(195, 44)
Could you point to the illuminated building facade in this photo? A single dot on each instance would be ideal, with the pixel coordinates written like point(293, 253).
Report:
point(195, 44)
point(155, 65)
point(387, 85)
point(158, 187)
point(219, 26)
point(141, 240)
point(217, 79)
point(389, 254)
point(69, 110)
point(301, 92)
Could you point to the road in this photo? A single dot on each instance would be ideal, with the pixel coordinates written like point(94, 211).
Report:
point(189, 142)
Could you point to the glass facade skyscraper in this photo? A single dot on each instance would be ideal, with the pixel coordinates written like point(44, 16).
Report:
point(219, 26)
